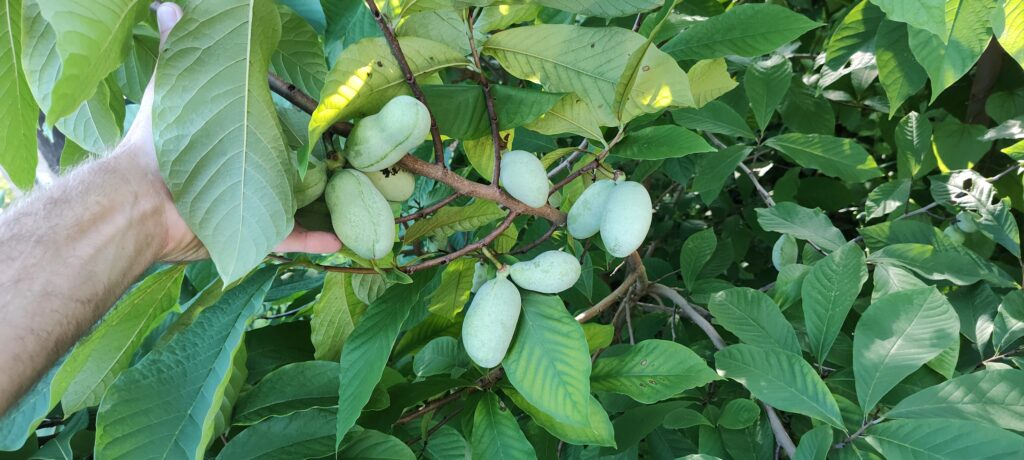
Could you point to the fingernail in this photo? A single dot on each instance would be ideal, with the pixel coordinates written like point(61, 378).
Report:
point(168, 15)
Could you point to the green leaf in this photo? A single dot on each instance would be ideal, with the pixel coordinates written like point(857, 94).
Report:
point(496, 433)
point(548, 362)
point(235, 194)
point(739, 414)
point(685, 418)
point(107, 351)
point(442, 355)
point(366, 76)
point(927, 15)
point(833, 156)
point(766, 83)
point(602, 8)
point(753, 317)
point(491, 18)
point(370, 444)
point(745, 30)
point(334, 316)
point(949, 52)
point(91, 42)
point(804, 224)
point(19, 423)
point(932, 439)
point(783, 380)
point(651, 371)
point(451, 295)
point(1009, 322)
point(1008, 26)
point(944, 260)
point(446, 444)
point(887, 198)
point(183, 381)
point(895, 336)
point(549, 54)
point(96, 124)
point(814, 444)
point(975, 305)
point(715, 168)
point(898, 71)
point(299, 58)
point(696, 252)
point(710, 79)
point(461, 110)
point(598, 431)
point(715, 117)
point(660, 142)
point(914, 146)
point(570, 115)
point(959, 145)
point(447, 27)
point(453, 219)
point(993, 397)
point(61, 447)
point(855, 33)
point(635, 424)
point(368, 347)
point(19, 111)
point(277, 395)
point(304, 434)
point(828, 293)
point(133, 76)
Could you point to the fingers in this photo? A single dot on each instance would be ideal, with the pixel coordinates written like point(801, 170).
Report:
point(167, 15)
point(302, 240)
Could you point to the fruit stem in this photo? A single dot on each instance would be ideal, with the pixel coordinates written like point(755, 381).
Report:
point(490, 256)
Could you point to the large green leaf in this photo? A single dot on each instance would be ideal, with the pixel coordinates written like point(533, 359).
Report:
point(715, 168)
point(922, 14)
point(636, 423)
point(895, 336)
point(744, 30)
point(783, 380)
point(370, 444)
point(944, 260)
point(183, 381)
point(96, 124)
point(1008, 26)
point(753, 317)
point(19, 111)
point(277, 395)
point(550, 55)
point(833, 156)
point(948, 53)
point(461, 110)
point(496, 433)
point(943, 439)
point(804, 224)
point(660, 142)
point(299, 58)
point(91, 41)
point(887, 198)
point(814, 444)
point(366, 76)
point(548, 362)
point(219, 143)
point(305, 434)
point(715, 117)
point(913, 146)
point(598, 431)
point(451, 295)
point(334, 315)
point(101, 356)
point(368, 347)
point(453, 219)
point(828, 293)
point(697, 251)
point(899, 73)
point(651, 371)
point(1009, 323)
point(569, 115)
point(994, 397)
point(19, 423)
point(710, 79)
point(855, 33)
point(602, 8)
point(766, 83)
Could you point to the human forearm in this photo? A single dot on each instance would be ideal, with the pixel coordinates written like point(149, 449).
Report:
point(66, 254)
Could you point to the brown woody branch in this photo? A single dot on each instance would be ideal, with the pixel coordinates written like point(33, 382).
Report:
point(492, 114)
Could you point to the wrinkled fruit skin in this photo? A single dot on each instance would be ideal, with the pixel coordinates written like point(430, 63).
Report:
point(587, 212)
point(360, 214)
point(523, 176)
point(379, 141)
point(309, 188)
point(394, 183)
point(627, 218)
point(491, 322)
point(549, 273)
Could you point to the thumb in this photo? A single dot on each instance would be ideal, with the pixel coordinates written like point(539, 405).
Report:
point(167, 15)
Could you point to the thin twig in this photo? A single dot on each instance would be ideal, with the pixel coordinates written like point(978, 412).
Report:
point(429, 209)
point(589, 166)
point(537, 242)
point(492, 114)
point(568, 161)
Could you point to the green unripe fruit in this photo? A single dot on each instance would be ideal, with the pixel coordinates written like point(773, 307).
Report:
point(627, 218)
point(379, 141)
point(395, 184)
point(549, 273)
point(954, 234)
point(523, 176)
point(587, 212)
point(309, 188)
point(491, 321)
point(360, 215)
point(966, 223)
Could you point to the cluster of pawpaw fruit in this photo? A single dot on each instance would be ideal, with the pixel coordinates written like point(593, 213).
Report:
point(620, 210)
point(491, 320)
point(359, 198)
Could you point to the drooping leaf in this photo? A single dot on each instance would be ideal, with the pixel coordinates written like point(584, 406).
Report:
point(195, 363)
point(598, 431)
point(804, 224)
point(765, 84)
point(887, 198)
point(305, 434)
point(913, 146)
point(949, 52)
point(781, 379)
point(496, 433)
point(651, 371)
point(814, 444)
point(745, 30)
point(18, 157)
point(443, 355)
point(1008, 27)
point(660, 142)
point(828, 293)
point(899, 72)
point(942, 261)
point(334, 315)
point(1009, 323)
point(833, 156)
point(96, 124)
point(927, 15)
point(709, 79)
point(895, 336)
point(715, 117)
point(451, 295)
point(452, 219)
point(697, 251)
point(922, 439)
point(994, 397)
point(975, 305)
point(277, 395)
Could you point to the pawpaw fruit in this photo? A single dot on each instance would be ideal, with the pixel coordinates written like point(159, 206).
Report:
point(955, 234)
point(378, 141)
point(491, 321)
point(549, 273)
point(394, 183)
point(310, 187)
point(585, 216)
point(360, 215)
point(627, 218)
point(523, 176)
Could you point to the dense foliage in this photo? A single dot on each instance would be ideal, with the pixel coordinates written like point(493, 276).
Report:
point(833, 269)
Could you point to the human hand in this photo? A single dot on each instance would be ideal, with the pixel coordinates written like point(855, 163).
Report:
point(138, 149)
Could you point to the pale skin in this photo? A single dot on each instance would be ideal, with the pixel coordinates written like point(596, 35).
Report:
point(69, 251)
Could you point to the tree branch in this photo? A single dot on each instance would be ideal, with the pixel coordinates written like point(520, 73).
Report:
point(492, 114)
